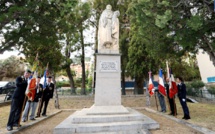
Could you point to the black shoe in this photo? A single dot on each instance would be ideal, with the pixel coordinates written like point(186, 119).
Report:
point(44, 115)
point(23, 120)
point(37, 116)
point(32, 119)
point(16, 125)
point(9, 128)
point(187, 118)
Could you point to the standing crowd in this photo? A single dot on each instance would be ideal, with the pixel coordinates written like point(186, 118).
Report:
point(181, 96)
point(21, 105)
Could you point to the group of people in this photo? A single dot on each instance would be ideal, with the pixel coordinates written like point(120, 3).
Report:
point(182, 98)
point(43, 93)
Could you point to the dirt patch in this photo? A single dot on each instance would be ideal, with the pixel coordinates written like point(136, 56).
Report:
point(47, 126)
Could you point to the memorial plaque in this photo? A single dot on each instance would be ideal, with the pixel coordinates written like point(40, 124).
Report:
point(108, 66)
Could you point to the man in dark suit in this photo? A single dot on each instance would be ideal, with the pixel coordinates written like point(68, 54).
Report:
point(182, 97)
point(171, 100)
point(47, 95)
point(18, 100)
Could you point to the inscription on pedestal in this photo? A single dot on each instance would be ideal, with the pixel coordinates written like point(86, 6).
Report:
point(108, 66)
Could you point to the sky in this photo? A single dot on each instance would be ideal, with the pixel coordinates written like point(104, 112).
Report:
point(7, 54)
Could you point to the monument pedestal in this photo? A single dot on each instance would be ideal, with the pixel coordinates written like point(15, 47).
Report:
point(107, 115)
point(82, 123)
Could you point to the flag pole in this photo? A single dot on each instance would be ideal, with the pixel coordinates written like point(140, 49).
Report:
point(41, 99)
point(167, 77)
point(175, 110)
point(147, 92)
point(23, 106)
point(156, 101)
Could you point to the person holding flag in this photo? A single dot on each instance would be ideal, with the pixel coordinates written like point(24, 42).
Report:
point(32, 104)
point(171, 90)
point(18, 100)
point(161, 92)
point(182, 97)
point(48, 90)
point(47, 95)
point(168, 86)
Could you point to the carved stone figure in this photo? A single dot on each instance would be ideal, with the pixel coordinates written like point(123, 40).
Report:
point(105, 23)
point(115, 30)
point(108, 32)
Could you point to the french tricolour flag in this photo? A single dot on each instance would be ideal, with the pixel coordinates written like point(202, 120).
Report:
point(173, 87)
point(161, 87)
point(150, 86)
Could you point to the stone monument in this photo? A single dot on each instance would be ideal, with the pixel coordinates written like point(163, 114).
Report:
point(107, 115)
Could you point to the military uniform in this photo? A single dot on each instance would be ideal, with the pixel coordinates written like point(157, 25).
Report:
point(182, 98)
point(17, 101)
point(47, 94)
point(171, 102)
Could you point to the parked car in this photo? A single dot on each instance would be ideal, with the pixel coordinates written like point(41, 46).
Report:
point(9, 95)
point(6, 87)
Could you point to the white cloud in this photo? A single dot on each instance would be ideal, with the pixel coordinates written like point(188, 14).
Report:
point(7, 54)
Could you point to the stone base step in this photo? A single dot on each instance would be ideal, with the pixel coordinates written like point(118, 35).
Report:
point(132, 123)
point(80, 117)
point(106, 127)
point(142, 131)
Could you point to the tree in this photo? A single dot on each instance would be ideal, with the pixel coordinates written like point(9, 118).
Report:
point(74, 25)
point(11, 67)
point(192, 25)
point(146, 40)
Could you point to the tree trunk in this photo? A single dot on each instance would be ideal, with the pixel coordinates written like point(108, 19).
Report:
point(71, 80)
point(138, 85)
point(123, 82)
point(83, 85)
point(68, 70)
point(57, 105)
point(96, 51)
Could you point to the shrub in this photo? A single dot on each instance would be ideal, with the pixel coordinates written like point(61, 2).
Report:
point(62, 84)
point(193, 88)
point(211, 89)
point(197, 84)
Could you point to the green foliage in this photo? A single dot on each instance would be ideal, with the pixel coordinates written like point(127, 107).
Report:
point(162, 20)
point(60, 84)
point(197, 84)
point(195, 22)
point(194, 88)
point(89, 82)
point(211, 89)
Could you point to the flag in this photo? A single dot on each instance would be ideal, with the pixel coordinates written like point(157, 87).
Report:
point(167, 70)
point(161, 87)
point(46, 73)
point(173, 87)
point(150, 86)
point(31, 88)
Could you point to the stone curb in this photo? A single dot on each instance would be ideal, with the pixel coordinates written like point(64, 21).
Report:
point(195, 127)
point(33, 123)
